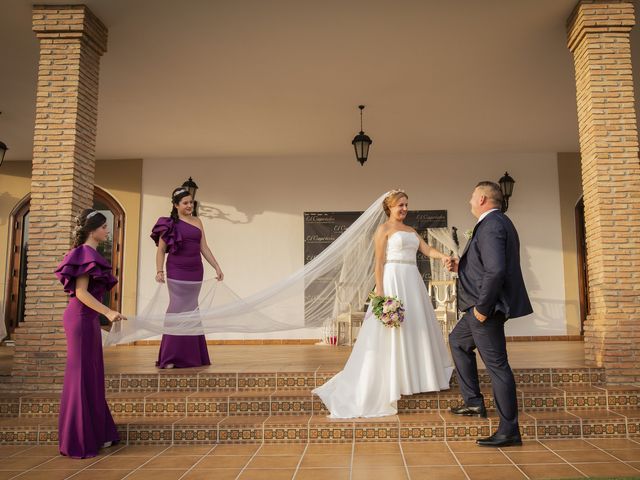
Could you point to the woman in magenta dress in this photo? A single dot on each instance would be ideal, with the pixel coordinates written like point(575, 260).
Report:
point(85, 424)
point(182, 236)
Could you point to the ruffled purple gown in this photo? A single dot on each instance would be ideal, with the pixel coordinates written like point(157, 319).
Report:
point(85, 422)
point(184, 262)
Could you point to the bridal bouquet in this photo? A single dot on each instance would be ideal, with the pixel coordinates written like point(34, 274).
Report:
point(389, 310)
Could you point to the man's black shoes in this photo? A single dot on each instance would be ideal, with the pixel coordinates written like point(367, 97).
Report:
point(499, 440)
point(465, 411)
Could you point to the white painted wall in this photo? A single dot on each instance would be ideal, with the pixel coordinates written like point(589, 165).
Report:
point(252, 211)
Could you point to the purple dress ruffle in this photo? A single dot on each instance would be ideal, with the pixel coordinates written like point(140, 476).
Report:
point(85, 422)
point(184, 262)
point(165, 228)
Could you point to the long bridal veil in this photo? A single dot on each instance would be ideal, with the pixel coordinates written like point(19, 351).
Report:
point(339, 277)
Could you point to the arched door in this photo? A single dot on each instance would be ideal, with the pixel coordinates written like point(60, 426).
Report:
point(112, 250)
point(17, 268)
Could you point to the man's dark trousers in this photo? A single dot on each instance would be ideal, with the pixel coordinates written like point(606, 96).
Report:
point(488, 337)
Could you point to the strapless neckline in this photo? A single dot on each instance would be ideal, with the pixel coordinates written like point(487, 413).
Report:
point(400, 231)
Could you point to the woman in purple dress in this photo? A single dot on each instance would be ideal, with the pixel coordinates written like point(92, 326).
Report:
point(85, 424)
point(182, 236)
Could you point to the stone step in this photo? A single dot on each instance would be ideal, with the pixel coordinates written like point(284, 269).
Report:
point(194, 380)
point(304, 402)
point(184, 430)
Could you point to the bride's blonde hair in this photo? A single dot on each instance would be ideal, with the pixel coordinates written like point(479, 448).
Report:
point(392, 199)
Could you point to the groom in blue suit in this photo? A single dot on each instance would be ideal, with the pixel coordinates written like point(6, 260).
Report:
point(490, 291)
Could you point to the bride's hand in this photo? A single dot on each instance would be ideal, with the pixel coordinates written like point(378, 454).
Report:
point(379, 292)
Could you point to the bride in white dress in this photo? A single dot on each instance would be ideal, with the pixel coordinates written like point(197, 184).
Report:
point(389, 362)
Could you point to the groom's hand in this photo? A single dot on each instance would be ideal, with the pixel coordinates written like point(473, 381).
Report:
point(451, 264)
point(478, 315)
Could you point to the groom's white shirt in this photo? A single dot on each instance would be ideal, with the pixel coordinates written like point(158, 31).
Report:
point(482, 217)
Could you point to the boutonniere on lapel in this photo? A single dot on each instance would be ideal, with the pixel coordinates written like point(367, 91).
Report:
point(468, 234)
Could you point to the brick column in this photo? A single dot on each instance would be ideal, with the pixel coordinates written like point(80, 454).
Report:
point(598, 34)
point(72, 40)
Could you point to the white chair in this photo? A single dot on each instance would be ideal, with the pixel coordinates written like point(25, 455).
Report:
point(352, 315)
point(444, 293)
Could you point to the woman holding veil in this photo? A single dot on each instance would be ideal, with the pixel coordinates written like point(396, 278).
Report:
point(389, 362)
point(85, 424)
point(181, 236)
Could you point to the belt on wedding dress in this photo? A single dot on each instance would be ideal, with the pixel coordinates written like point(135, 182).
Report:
point(405, 262)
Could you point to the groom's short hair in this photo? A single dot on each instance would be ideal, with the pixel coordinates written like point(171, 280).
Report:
point(492, 191)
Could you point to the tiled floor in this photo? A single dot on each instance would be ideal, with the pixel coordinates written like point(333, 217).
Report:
point(257, 358)
point(288, 358)
point(557, 459)
point(562, 397)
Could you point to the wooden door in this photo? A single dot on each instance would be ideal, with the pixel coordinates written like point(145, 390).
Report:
point(583, 277)
point(17, 271)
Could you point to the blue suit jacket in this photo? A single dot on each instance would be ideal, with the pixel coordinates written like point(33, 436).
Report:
point(489, 274)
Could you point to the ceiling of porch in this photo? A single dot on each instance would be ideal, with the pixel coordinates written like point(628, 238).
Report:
point(213, 78)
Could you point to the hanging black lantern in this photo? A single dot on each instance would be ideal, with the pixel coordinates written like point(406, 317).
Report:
point(506, 185)
point(3, 150)
point(361, 142)
point(192, 188)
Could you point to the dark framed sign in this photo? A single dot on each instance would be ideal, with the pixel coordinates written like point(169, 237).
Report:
point(321, 229)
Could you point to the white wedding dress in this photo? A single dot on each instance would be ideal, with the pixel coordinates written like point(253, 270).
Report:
point(388, 362)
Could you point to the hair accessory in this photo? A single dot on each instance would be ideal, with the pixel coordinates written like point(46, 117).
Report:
point(393, 192)
point(95, 212)
point(178, 192)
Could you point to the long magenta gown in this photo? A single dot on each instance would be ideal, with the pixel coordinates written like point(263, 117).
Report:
point(85, 422)
point(184, 262)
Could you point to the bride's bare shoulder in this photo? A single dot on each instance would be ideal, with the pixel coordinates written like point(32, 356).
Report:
point(382, 230)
